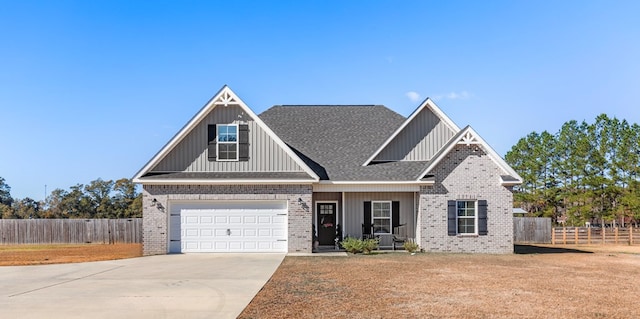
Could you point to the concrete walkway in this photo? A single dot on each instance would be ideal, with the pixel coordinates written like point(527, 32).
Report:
point(170, 286)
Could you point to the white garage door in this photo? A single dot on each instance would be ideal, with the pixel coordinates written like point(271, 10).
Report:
point(247, 226)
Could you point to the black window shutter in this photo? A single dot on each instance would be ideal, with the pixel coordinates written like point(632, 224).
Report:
point(452, 224)
point(243, 142)
point(395, 215)
point(211, 147)
point(482, 217)
point(366, 226)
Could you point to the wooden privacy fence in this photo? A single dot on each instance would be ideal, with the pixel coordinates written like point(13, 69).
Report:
point(531, 230)
point(70, 231)
point(591, 235)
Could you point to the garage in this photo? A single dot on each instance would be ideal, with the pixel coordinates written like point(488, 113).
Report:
point(228, 226)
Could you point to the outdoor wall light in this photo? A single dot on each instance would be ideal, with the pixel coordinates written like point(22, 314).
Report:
point(155, 203)
point(303, 204)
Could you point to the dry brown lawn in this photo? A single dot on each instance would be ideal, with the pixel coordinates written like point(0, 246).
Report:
point(556, 282)
point(14, 255)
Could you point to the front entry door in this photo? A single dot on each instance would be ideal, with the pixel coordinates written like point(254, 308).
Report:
point(326, 223)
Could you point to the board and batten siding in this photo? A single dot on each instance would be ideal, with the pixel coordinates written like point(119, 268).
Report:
point(190, 155)
point(420, 140)
point(354, 211)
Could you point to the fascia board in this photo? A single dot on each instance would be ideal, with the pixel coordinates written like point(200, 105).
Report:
point(221, 181)
point(487, 148)
point(427, 103)
point(375, 182)
point(284, 146)
point(208, 107)
point(203, 113)
point(441, 153)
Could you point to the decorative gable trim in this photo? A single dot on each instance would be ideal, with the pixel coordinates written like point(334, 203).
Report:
point(469, 137)
point(426, 104)
point(226, 98)
point(223, 98)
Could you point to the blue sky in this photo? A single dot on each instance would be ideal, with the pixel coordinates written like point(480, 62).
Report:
point(93, 89)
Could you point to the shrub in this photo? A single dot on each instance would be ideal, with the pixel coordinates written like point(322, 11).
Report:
point(353, 245)
point(369, 245)
point(410, 246)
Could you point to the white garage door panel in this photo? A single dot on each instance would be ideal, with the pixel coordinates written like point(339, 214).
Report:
point(250, 226)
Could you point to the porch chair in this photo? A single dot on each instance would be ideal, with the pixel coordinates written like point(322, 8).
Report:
point(399, 236)
point(367, 232)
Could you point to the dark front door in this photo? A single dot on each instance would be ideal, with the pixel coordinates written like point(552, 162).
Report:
point(326, 223)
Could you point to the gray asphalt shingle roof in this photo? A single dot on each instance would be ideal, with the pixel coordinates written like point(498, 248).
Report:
point(335, 140)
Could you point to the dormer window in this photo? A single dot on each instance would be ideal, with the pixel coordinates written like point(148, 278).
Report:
point(227, 142)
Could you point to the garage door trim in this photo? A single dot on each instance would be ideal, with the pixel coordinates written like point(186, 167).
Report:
point(228, 226)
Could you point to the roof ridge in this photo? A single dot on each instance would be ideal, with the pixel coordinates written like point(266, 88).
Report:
point(323, 105)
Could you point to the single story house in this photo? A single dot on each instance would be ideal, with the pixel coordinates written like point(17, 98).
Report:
point(298, 175)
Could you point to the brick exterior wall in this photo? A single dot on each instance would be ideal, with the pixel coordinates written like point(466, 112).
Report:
point(155, 220)
point(465, 174)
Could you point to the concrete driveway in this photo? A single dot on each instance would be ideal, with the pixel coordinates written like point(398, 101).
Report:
point(171, 286)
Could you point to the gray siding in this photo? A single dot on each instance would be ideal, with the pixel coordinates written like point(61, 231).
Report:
point(354, 211)
point(190, 155)
point(419, 140)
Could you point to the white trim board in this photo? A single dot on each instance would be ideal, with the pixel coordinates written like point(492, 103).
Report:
point(224, 97)
point(221, 181)
point(315, 212)
point(468, 136)
point(407, 187)
point(429, 104)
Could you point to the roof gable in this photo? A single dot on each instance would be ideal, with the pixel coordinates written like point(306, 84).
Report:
point(468, 136)
point(225, 97)
point(421, 136)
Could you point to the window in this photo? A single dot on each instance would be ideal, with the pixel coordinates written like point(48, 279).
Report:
point(467, 217)
point(381, 217)
point(227, 142)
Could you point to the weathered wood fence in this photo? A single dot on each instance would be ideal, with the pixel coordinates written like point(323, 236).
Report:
point(591, 235)
point(531, 230)
point(70, 231)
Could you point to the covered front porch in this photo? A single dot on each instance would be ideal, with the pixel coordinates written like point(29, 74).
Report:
point(390, 216)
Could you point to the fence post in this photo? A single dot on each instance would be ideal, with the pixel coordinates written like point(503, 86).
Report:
point(630, 235)
point(575, 235)
point(553, 235)
point(589, 235)
point(564, 235)
point(615, 235)
point(604, 239)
